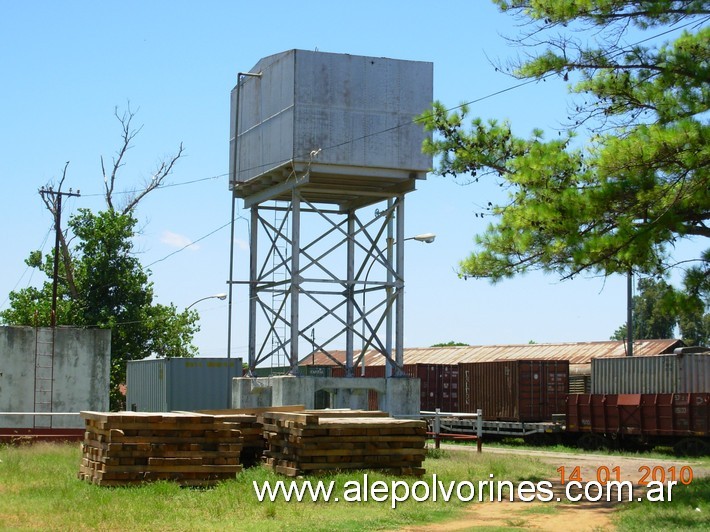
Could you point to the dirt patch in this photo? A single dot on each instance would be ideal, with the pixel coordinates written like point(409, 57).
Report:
point(535, 516)
point(554, 515)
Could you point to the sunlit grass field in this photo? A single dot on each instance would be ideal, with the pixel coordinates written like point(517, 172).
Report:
point(39, 489)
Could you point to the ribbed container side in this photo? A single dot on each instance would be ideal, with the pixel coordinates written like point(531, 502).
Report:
point(687, 373)
point(180, 383)
point(146, 385)
point(580, 384)
point(514, 390)
point(201, 383)
point(694, 373)
point(439, 385)
point(270, 372)
point(491, 387)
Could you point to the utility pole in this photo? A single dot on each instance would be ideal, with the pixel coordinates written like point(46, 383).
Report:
point(630, 314)
point(57, 202)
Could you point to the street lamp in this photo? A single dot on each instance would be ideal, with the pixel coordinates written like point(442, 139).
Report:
point(427, 238)
point(221, 297)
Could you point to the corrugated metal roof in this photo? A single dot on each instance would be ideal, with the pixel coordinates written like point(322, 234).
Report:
point(575, 352)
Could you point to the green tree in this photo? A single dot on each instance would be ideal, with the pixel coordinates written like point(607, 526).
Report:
point(659, 308)
point(450, 344)
point(655, 312)
point(102, 283)
point(693, 304)
point(640, 182)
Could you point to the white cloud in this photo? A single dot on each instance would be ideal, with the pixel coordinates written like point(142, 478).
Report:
point(177, 241)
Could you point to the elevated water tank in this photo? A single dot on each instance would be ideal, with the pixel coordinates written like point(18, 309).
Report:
point(343, 123)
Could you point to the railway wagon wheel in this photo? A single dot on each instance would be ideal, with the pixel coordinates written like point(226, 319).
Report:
point(592, 442)
point(691, 447)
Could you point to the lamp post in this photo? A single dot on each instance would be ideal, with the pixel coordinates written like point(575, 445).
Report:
point(221, 297)
point(426, 238)
point(215, 296)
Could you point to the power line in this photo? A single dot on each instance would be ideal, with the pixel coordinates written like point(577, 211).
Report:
point(410, 122)
point(27, 268)
point(188, 245)
point(363, 137)
point(169, 185)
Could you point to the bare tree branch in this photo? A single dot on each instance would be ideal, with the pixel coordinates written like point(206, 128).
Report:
point(127, 136)
point(164, 169)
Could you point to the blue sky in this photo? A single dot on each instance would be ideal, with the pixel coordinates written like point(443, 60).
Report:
point(66, 65)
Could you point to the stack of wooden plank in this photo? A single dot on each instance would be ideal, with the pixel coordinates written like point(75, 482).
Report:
point(132, 447)
point(245, 419)
point(253, 437)
point(316, 442)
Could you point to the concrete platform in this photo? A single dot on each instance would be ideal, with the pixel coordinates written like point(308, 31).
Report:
point(398, 396)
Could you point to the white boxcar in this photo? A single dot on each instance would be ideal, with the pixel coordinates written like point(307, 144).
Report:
point(682, 373)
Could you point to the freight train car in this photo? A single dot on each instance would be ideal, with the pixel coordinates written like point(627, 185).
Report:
point(534, 399)
point(680, 420)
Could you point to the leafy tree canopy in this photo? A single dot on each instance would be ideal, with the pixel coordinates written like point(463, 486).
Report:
point(640, 182)
point(659, 308)
point(102, 284)
point(450, 344)
point(654, 316)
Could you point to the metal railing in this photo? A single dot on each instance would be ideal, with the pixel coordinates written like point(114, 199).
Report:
point(436, 416)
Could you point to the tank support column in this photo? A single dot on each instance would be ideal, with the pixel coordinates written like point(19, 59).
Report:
point(295, 279)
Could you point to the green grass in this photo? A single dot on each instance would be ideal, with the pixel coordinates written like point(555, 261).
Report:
point(689, 509)
point(39, 489)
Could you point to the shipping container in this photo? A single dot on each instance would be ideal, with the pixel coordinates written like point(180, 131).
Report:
point(644, 415)
point(168, 384)
point(682, 373)
point(514, 390)
point(439, 385)
point(308, 371)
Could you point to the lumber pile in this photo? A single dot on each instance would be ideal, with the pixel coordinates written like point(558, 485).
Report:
point(253, 438)
point(126, 448)
point(245, 419)
point(317, 442)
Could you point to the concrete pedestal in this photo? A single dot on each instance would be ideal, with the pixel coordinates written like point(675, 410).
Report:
point(398, 396)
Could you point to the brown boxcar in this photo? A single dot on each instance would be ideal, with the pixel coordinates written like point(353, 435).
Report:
point(646, 415)
point(514, 390)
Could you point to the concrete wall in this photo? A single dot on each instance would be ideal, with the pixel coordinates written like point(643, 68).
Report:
point(17, 373)
point(398, 396)
point(80, 373)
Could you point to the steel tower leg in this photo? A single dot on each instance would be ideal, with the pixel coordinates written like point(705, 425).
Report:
point(399, 311)
point(295, 278)
point(253, 240)
point(349, 290)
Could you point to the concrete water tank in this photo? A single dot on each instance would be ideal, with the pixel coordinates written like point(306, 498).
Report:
point(345, 121)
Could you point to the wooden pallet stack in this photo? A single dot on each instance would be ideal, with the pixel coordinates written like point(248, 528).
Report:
point(246, 420)
point(253, 437)
point(316, 442)
point(126, 448)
